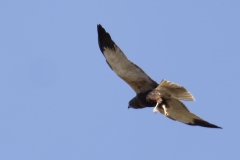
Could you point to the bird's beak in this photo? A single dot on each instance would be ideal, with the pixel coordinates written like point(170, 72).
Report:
point(129, 106)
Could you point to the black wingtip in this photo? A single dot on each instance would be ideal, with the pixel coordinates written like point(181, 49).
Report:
point(197, 122)
point(104, 39)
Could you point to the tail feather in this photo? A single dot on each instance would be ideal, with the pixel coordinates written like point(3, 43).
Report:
point(175, 90)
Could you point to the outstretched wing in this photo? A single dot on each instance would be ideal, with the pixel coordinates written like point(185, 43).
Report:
point(118, 62)
point(178, 111)
point(175, 90)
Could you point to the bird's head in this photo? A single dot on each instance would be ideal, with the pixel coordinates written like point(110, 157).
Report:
point(134, 103)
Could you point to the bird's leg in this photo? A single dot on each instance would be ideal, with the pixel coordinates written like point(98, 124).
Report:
point(155, 96)
point(165, 110)
point(155, 110)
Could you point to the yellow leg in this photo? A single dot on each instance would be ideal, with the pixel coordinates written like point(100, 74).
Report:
point(165, 110)
point(155, 110)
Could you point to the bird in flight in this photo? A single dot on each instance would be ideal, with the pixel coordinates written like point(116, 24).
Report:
point(165, 97)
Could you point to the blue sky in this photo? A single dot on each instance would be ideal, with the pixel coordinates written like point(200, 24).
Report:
point(60, 100)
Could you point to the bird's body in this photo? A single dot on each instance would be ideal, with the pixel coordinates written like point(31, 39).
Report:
point(143, 85)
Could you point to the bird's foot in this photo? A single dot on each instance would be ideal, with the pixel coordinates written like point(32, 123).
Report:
point(165, 110)
point(155, 110)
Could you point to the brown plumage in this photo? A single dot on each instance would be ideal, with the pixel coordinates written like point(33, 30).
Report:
point(142, 84)
point(133, 75)
point(174, 109)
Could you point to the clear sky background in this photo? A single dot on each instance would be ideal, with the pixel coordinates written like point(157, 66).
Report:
point(60, 100)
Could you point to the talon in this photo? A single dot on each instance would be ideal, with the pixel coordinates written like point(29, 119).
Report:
point(155, 111)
